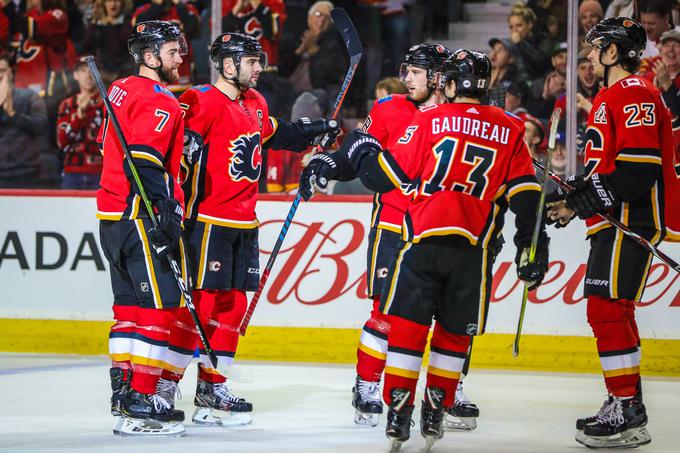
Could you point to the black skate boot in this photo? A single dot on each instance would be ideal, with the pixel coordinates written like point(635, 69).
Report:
point(620, 424)
point(148, 415)
point(168, 389)
point(366, 401)
point(210, 396)
point(119, 387)
point(399, 422)
point(581, 422)
point(462, 416)
point(432, 416)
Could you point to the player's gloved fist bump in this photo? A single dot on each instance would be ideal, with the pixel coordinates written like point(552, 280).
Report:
point(170, 214)
point(591, 196)
point(313, 128)
point(533, 273)
point(320, 169)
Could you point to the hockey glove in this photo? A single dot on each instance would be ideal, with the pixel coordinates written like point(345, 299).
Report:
point(320, 169)
point(591, 196)
point(169, 230)
point(556, 211)
point(314, 128)
point(356, 145)
point(533, 273)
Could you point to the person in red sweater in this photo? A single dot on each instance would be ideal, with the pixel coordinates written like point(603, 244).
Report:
point(78, 122)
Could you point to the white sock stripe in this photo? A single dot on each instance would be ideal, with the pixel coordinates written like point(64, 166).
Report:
point(373, 342)
point(150, 351)
point(618, 362)
point(445, 362)
point(177, 359)
point(403, 361)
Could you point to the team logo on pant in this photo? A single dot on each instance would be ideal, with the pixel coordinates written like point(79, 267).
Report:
point(214, 266)
point(246, 161)
point(381, 273)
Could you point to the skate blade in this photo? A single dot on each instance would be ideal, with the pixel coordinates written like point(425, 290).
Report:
point(452, 423)
point(118, 421)
point(430, 441)
point(395, 445)
point(632, 438)
point(364, 419)
point(205, 416)
point(132, 427)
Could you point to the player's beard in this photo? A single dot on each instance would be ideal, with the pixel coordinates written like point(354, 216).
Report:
point(246, 80)
point(168, 75)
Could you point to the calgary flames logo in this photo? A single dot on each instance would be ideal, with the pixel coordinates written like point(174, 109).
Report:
point(140, 28)
point(627, 23)
point(226, 38)
point(245, 162)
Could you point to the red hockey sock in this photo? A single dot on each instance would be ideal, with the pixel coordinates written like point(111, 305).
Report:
point(448, 353)
point(372, 349)
point(617, 343)
point(149, 347)
point(405, 346)
point(121, 335)
point(182, 343)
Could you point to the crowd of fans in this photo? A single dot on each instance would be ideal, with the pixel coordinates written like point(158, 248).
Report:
point(50, 109)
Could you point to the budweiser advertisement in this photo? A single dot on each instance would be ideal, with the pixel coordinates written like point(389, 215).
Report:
point(52, 267)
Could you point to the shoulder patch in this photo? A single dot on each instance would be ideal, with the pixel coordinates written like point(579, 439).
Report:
point(163, 90)
point(428, 107)
point(202, 88)
point(385, 99)
point(512, 115)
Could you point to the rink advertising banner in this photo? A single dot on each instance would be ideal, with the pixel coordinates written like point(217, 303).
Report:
point(53, 272)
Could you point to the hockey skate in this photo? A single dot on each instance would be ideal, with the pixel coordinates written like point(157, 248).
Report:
point(366, 401)
point(399, 422)
point(119, 387)
point(432, 416)
point(234, 410)
point(463, 415)
point(148, 415)
point(581, 422)
point(168, 389)
point(619, 424)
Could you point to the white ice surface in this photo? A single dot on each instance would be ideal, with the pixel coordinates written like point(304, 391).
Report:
point(60, 404)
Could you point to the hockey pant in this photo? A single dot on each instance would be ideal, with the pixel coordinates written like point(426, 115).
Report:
point(405, 347)
point(138, 341)
point(618, 343)
point(220, 313)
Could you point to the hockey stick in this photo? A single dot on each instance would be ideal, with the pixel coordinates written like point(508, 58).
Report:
point(149, 208)
point(353, 44)
point(554, 121)
point(644, 243)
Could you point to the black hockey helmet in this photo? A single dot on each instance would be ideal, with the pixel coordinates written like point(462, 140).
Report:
point(470, 70)
point(628, 35)
point(152, 35)
point(235, 45)
point(426, 56)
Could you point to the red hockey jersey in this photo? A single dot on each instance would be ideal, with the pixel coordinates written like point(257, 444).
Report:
point(387, 122)
point(44, 51)
point(221, 187)
point(152, 124)
point(466, 157)
point(77, 137)
point(629, 123)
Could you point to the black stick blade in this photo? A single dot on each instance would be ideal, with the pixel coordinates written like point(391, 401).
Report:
point(349, 33)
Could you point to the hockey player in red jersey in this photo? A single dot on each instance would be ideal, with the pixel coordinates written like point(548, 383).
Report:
point(629, 174)
point(226, 125)
point(387, 121)
point(146, 295)
point(464, 164)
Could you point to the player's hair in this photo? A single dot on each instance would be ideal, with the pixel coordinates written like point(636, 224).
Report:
point(392, 85)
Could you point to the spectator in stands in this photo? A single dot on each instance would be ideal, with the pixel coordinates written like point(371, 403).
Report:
point(587, 85)
point(655, 17)
point(547, 9)
point(589, 14)
point(532, 60)
point(185, 14)
point(545, 90)
point(503, 69)
point(395, 34)
point(106, 37)
point(534, 135)
point(261, 19)
point(621, 8)
point(7, 24)
point(320, 53)
point(389, 85)
point(516, 98)
point(78, 123)
point(23, 122)
point(558, 160)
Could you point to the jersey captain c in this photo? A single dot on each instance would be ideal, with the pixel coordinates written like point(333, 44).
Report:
point(387, 122)
point(629, 126)
point(151, 122)
point(467, 157)
point(222, 175)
